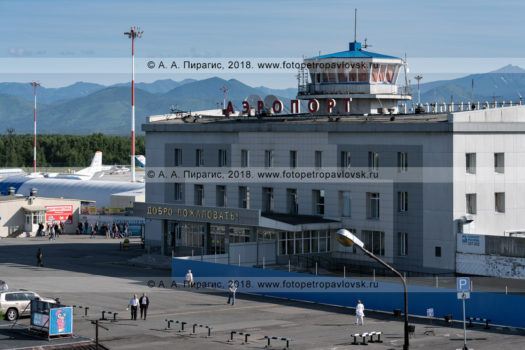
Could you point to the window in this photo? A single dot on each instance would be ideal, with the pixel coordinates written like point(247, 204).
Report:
point(374, 241)
point(318, 159)
point(293, 159)
point(199, 157)
point(318, 197)
point(178, 157)
point(500, 202)
point(268, 158)
point(471, 203)
point(438, 252)
point(245, 158)
point(345, 159)
point(372, 205)
point(373, 161)
point(402, 162)
point(244, 197)
point(267, 204)
point(220, 197)
point(345, 198)
point(402, 238)
point(303, 242)
point(222, 158)
point(402, 201)
point(292, 203)
point(499, 163)
point(471, 163)
point(199, 194)
point(177, 193)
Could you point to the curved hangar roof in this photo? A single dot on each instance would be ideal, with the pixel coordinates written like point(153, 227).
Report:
point(355, 51)
point(98, 191)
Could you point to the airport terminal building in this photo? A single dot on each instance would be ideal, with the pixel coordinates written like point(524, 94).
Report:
point(426, 180)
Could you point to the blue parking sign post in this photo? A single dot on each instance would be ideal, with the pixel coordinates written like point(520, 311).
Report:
point(463, 289)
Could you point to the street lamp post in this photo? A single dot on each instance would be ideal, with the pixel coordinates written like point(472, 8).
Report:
point(347, 239)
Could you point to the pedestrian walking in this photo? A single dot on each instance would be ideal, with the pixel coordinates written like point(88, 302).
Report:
point(92, 229)
point(106, 229)
point(144, 304)
point(125, 229)
point(232, 289)
point(61, 226)
point(189, 279)
point(3, 286)
point(359, 313)
point(39, 256)
point(96, 227)
point(57, 230)
point(133, 304)
point(52, 232)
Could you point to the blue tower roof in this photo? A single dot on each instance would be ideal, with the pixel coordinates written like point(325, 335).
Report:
point(355, 51)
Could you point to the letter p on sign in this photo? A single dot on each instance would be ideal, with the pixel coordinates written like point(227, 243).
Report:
point(463, 284)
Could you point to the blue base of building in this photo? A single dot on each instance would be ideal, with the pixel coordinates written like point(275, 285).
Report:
point(501, 309)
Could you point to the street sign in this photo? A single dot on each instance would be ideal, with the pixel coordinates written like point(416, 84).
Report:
point(461, 294)
point(463, 284)
point(430, 312)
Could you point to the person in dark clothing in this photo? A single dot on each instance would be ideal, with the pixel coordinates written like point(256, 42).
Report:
point(144, 304)
point(79, 228)
point(39, 257)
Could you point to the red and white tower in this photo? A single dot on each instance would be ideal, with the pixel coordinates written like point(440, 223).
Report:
point(34, 84)
point(132, 34)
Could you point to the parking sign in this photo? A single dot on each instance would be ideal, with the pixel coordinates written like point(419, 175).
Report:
point(463, 284)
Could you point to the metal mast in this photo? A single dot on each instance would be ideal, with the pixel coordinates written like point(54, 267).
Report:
point(134, 32)
point(34, 84)
point(418, 78)
point(224, 89)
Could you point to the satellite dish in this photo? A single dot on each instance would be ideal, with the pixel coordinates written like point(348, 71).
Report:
point(252, 101)
point(268, 103)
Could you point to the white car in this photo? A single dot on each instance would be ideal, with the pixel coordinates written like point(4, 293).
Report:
point(15, 303)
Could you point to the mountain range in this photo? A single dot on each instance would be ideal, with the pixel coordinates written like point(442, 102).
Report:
point(84, 108)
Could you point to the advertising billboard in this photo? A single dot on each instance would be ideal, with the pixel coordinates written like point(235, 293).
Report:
point(57, 213)
point(60, 321)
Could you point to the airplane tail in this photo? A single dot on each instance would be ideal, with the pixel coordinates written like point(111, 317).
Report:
point(141, 160)
point(96, 162)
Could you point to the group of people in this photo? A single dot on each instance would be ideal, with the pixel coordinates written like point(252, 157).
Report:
point(142, 303)
point(53, 230)
point(110, 231)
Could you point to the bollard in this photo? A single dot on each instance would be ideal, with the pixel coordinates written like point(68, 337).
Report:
point(239, 259)
point(289, 266)
point(344, 271)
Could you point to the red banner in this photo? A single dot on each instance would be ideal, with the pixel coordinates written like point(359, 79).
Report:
point(57, 213)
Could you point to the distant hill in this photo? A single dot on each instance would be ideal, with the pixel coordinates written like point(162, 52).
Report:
point(108, 110)
point(49, 95)
point(84, 108)
point(507, 83)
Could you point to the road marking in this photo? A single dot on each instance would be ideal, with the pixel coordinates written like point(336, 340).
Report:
point(210, 310)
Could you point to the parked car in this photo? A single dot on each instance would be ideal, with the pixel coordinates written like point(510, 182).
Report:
point(15, 303)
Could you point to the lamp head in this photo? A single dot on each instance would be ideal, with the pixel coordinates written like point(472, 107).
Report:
point(347, 239)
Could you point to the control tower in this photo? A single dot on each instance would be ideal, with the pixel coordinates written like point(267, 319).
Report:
point(360, 82)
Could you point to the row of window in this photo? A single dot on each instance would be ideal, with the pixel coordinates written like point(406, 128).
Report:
point(292, 200)
point(269, 159)
point(499, 163)
point(499, 202)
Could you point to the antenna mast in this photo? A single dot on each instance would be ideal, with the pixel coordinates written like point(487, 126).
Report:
point(355, 25)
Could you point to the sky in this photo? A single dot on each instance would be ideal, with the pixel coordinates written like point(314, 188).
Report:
point(441, 39)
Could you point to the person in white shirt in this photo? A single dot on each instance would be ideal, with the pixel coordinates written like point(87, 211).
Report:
point(134, 303)
point(232, 289)
point(189, 279)
point(359, 313)
point(3, 286)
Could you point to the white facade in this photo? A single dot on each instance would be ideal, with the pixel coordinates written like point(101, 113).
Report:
point(419, 238)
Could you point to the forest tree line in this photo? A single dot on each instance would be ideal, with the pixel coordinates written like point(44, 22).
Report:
point(66, 150)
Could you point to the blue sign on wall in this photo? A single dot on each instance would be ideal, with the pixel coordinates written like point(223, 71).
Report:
point(61, 321)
